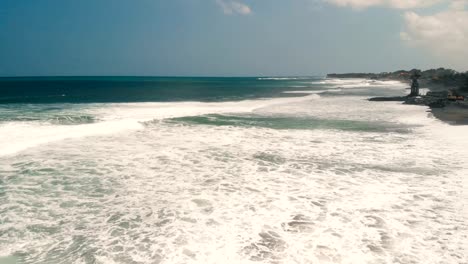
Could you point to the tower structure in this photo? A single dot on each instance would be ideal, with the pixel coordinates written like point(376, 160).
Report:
point(415, 84)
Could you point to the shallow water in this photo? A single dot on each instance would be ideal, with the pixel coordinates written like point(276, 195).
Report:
point(323, 178)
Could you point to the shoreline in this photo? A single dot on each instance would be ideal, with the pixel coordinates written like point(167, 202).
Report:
point(450, 112)
point(438, 82)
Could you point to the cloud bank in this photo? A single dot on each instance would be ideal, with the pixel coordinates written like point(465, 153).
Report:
point(443, 33)
point(399, 4)
point(231, 7)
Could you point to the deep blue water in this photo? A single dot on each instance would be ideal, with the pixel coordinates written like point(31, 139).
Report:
point(142, 89)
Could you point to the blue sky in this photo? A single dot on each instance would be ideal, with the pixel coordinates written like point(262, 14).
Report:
point(229, 38)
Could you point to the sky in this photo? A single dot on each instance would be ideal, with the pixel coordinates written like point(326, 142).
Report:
point(230, 37)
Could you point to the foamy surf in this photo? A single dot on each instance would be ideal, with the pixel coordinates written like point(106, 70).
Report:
point(116, 118)
point(285, 180)
point(16, 137)
point(283, 78)
point(362, 83)
point(313, 91)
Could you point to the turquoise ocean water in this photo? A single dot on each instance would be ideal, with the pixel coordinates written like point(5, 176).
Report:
point(226, 170)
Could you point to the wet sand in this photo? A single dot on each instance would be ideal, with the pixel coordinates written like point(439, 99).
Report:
point(454, 114)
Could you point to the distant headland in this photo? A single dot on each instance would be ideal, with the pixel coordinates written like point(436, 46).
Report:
point(434, 78)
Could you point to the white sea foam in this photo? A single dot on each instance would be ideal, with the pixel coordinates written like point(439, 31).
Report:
point(362, 83)
point(179, 193)
point(424, 90)
point(18, 136)
point(283, 78)
point(312, 91)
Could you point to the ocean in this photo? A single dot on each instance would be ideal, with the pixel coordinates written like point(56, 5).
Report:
point(227, 170)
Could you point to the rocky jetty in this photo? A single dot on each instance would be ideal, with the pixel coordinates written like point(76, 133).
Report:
point(431, 99)
point(389, 99)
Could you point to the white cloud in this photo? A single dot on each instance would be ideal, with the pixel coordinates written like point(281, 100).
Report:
point(458, 4)
point(444, 34)
point(234, 7)
point(399, 4)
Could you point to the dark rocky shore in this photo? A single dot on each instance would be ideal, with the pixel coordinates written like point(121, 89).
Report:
point(453, 112)
point(431, 99)
point(441, 83)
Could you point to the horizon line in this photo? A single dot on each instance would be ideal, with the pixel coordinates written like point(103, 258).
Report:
point(165, 76)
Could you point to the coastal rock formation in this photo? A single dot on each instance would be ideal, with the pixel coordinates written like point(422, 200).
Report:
point(431, 99)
